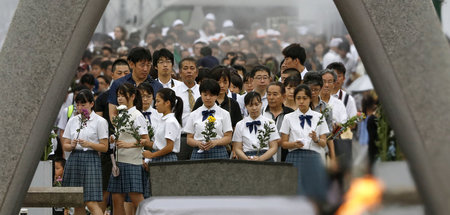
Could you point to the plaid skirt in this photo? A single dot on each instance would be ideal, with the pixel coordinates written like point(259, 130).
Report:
point(165, 158)
point(218, 152)
point(130, 179)
point(253, 153)
point(84, 169)
point(146, 185)
point(312, 176)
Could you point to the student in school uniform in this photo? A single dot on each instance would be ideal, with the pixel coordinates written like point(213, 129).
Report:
point(163, 61)
point(245, 137)
point(225, 99)
point(129, 153)
point(314, 81)
point(152, 117)
point(83, 168)
point(215, 148)
point(303, 136)
point(168, 131)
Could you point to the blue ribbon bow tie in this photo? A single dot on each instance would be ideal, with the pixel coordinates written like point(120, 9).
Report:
point(308, 120)
point(207, 113)
point(252, 125)
point(147, 116)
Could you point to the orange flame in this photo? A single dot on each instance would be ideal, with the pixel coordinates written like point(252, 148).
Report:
point(364, 194)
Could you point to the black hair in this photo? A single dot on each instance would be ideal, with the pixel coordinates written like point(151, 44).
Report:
point(96, 61)
point(189, 59)
point(210, 85)
point(219, 72)
point(250, 96)
point(119, 62)
point(239, 67)
point(107, 48)
point(78, 88)
point(87, 79)
point(147, 87)
point(369, 102)
point(234, 59)
point(295, 51)
point(279, 84)
point(344, 46)
point(176, 103)
point(87, 54)
point(202, 74)
point(162, 53)
point(313, 78)
point(260, 68)
point(302, 87)
point(206, 51)
point(105, 64)
point(247, 75)
point(84, 96)
point(292, 80)
point(107, 80)
point(156, 43)
point(236, 80)
point(291, 71)
point(128, 89)
point(337, 66)
point(329, 71)
point(139, 54)
point(60, 160)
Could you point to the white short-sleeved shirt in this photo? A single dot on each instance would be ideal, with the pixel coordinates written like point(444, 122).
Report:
point(291, 126)
point(242, 133)
point(168, 128)
point(195, 124)
point(172, 83)
point(351, 104)
point(95, 130)
point(155, 117)
point(338, 110)
point(182, 91)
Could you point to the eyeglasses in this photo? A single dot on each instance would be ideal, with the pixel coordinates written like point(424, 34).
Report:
point(259, 78)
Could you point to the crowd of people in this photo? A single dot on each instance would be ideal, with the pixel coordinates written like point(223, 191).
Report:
point(184, 94)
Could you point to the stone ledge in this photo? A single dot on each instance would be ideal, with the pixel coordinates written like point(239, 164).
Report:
point(222, 177)
point(54, 197)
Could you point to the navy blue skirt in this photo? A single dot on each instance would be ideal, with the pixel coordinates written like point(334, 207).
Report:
point(165, 158)
point(84, 169)
point(218, 152)
point(253, 153)
point(312, 176)
point(130, 179)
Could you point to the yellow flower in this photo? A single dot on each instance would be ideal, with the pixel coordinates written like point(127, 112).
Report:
point(211, 119)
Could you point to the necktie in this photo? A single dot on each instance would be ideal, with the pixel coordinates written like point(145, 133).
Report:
point(147, 116)
point(191, 99)
point(308, 120)
point(207, 113)
point(253, 125)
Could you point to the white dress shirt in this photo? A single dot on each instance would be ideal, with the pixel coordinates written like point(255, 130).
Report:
point(195, 124)
point(351, 104)
point(242, 133)
point(182, 91)
point(291, 126)
point(95, 130)
point(168, 128)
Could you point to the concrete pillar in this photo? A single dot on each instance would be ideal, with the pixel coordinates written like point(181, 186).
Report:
point(407, 57)
point(40, 55)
